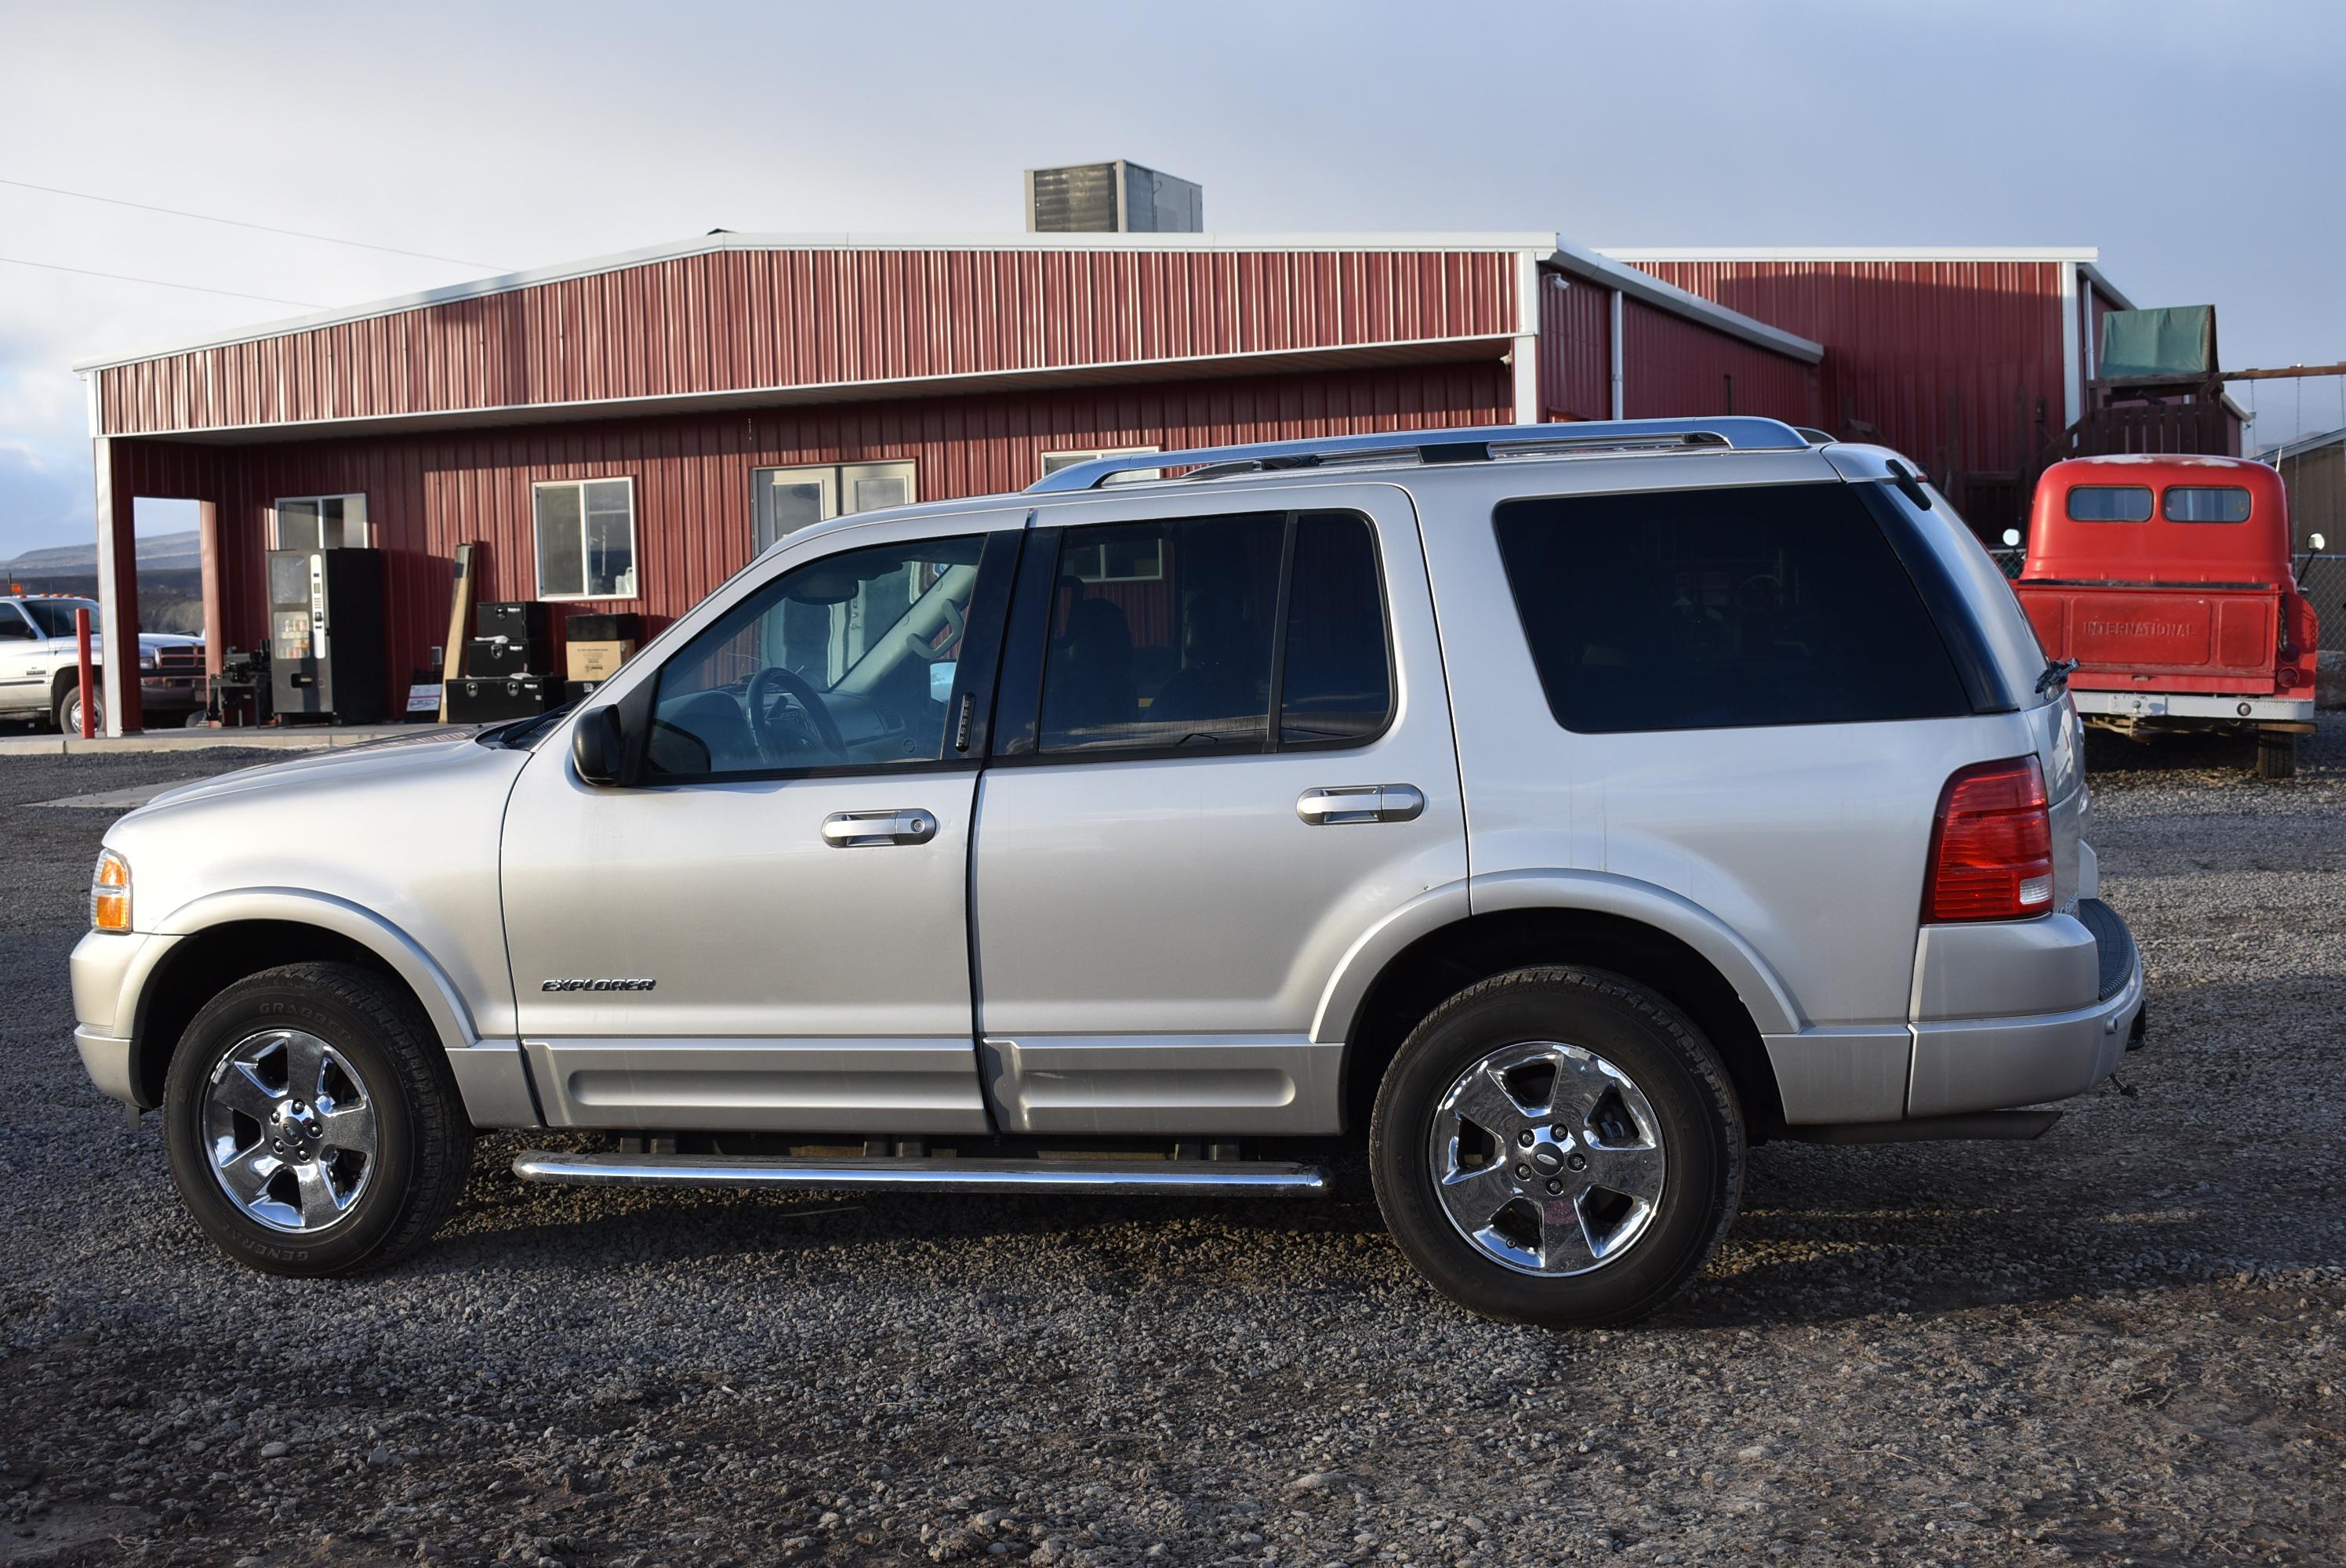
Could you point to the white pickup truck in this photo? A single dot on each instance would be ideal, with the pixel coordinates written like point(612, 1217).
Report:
point(40, 664)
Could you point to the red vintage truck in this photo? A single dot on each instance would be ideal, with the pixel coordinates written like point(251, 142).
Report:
point(2168, 580)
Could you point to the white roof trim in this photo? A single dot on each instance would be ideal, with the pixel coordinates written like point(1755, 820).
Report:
point(711, 244)
point(2085, 253)
point(1606, 269)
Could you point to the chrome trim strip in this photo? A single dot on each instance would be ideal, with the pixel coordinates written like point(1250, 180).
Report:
point(1137, 1178)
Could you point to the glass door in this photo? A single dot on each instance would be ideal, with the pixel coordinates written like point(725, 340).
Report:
point(785, 500)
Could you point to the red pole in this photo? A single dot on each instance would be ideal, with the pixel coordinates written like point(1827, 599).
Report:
point(88, 708)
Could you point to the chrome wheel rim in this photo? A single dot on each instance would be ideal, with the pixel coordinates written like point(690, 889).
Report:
point(1547, 1158)
point(288, 1130)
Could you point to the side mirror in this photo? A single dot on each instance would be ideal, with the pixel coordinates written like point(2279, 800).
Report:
point(598, 745)
point(2011, 536)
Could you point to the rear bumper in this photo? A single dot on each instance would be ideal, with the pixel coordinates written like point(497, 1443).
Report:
point(2191, 705)
point(1991, 1064)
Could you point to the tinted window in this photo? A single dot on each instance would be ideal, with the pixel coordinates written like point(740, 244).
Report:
point(2110, 504)
point(1164, 634)
point(1707, 609)
point(846, 661)
point(2205, 503)
point(56, 617)
point(1338, 680)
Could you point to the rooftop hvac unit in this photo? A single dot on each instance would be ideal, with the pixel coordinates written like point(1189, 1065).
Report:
point(1115, 198)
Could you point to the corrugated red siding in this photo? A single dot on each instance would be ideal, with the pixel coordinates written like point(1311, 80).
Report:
point(427, 494)
point(1950, 361)
point(1575, 350)
point(744, 319)
point(1674, 368)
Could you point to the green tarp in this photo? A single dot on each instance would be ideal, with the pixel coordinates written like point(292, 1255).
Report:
point(2179, 342)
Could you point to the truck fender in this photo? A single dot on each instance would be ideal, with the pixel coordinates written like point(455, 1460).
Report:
point(451, 1019)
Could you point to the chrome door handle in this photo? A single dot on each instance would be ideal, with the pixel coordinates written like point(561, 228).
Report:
point(863, 829)
point(1342, 803)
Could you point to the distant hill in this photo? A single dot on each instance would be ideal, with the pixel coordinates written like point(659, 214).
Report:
point(157, 553)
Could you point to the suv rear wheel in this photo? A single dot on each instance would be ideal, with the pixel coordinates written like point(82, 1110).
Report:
point(1557, 1146)
point(312, 1123)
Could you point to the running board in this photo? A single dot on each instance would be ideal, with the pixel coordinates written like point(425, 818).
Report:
point(1261, 1179)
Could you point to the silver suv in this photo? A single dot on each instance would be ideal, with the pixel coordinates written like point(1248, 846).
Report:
point(1565, 808)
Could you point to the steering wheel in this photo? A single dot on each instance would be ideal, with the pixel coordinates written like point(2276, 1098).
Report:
point(759, 700)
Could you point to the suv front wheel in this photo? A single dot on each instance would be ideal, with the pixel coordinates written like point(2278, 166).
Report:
point(1557, 1146)
point(312, 1123)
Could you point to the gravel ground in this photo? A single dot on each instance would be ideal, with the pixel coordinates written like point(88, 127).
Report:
point(2121, 1342)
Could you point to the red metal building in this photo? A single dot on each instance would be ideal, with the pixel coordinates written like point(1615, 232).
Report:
point(1972, 361)
point(735, 385)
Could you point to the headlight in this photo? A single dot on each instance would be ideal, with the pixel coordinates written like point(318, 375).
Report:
point(109, 894)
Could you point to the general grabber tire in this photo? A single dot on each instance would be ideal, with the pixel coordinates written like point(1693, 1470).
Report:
point(312, 1123)
point(1557, 1146)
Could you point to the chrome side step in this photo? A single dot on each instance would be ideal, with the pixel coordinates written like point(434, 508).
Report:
point(1260, 1179)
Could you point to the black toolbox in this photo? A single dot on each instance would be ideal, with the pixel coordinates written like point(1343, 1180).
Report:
point(491, 700)
point(487, 657)
point(605, 626)
point(517, 621)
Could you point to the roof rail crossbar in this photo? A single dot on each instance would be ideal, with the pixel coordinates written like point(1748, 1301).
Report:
point(1735, 433)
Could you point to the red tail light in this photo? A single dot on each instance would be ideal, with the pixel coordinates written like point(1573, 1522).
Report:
point(1992, 846)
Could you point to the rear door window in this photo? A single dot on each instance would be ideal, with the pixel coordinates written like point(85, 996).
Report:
point(1184, 634)
point(2109, 504)
point(1712, 609)
point(2205, 503)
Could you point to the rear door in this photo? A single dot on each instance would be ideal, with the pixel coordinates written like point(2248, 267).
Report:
point(1223, 755)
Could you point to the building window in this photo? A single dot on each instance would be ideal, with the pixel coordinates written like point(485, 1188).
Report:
point(785, 500)
point(586, 539)
point(319, 522)
point(1055, 460)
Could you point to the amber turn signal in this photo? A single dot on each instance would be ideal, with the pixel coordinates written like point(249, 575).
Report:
point(109, 894)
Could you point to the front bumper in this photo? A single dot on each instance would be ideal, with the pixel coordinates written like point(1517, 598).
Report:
point(1993, 1064)
point(107, 971)
point(2193, 705)
point(172, 693)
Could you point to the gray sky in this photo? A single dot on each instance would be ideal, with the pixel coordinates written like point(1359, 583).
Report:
point(2196, 144)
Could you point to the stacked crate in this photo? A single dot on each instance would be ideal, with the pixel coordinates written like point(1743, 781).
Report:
point(509, 671)
point(596, 646)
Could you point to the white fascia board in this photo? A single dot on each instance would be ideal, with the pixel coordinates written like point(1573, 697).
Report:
point(1602, 268)
point(2084, 253)
point(712, 244)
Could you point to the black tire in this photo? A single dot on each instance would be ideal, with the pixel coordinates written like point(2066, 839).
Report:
point(2276, 754)
point(68, 712)
point(424, 1144)
point(1700, 1129)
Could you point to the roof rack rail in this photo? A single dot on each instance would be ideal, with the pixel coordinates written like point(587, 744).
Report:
point(1735, 432)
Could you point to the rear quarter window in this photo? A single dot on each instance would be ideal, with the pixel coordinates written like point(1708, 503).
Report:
point(1714, 609)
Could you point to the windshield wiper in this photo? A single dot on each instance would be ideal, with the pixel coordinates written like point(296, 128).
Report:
point(2057, 672)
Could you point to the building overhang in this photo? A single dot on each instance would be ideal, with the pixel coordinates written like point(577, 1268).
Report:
point(1346, 357)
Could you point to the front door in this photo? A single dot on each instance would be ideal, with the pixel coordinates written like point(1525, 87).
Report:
point(1223, 758)
point(772, 932)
